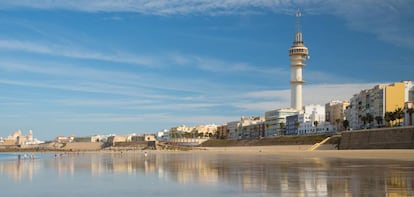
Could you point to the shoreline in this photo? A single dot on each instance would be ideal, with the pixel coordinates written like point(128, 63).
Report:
point(292, 151)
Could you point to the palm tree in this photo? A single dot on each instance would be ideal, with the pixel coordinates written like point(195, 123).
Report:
point(399, 114)
point(337, 123)
point(316, 125)
point(363, 119)
point(345, 123)
point(388, 116)
point(410, 112)
point(282, 128)
point(370, 118)
point(297, 124)
point(379, 120)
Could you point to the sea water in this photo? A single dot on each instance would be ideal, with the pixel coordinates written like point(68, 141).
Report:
point(195, 174)
point(23, 155)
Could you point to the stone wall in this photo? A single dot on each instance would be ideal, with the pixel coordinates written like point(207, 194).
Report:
point(382, 138)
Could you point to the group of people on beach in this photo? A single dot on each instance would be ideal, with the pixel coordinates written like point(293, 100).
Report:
point(25, 156)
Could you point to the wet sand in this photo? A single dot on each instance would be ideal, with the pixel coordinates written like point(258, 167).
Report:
point(302, 151)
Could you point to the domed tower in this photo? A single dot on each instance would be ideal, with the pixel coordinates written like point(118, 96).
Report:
point(30, 136)
point(298, 55)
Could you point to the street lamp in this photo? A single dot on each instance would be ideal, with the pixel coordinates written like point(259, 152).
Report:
point(409, 110)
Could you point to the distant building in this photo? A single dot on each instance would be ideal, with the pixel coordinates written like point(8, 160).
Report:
point(222, 131)
point(178, 132)
point(367, 109)
point(335, 113)
point(275, 118)
point(233, 128)
point(206, 130)
point(292, 125)
point(409, 99)
point(16, 138)
point(163, 135)
point(94, 138)
point(149, 138)
point(64, 139)
point(251, 127)
point(112, 140)
point(312, 121)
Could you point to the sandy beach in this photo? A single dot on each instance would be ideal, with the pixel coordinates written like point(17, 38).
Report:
point(282, 150)
point(302, 151)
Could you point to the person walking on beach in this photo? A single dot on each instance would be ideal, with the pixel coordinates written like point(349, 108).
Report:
point(145, 154)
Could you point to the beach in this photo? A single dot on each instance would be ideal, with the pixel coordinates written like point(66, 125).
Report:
point(218, 171)
point(301, 151)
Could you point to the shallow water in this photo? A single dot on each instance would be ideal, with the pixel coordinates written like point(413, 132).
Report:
point(195, 174)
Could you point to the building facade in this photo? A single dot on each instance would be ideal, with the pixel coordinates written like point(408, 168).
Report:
point(292, 125)
point(275, 119)
point(206, 130)
point(368, 108)
point(251, 127)
point(233, 128)
point(222, 132)
point(335, 113)
point(312, 121)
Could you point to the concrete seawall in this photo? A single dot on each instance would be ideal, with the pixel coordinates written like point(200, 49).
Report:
point(382, 138)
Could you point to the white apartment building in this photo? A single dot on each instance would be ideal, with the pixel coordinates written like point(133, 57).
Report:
point(163, 135)
point(313, 114)
point(274, 118)
point(409, 98)
point(367, 109)
point(356, 107)
point(233, 128)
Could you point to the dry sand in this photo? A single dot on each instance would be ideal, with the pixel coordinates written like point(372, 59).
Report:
point(300, 151)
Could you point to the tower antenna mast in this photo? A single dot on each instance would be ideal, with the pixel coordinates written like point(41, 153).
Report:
point(298, 15)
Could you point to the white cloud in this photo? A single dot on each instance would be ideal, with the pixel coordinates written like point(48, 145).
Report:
point(217, 65)
point(147, 118)
point(80, 53)
point(312, 94)
point(390, 21)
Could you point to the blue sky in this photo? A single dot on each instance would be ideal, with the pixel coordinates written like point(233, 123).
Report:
point(88, 67)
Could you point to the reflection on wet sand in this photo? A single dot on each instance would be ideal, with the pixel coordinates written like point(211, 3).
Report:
point(251, 174)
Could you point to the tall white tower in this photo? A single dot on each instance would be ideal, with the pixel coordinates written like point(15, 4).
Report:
point(298, 55)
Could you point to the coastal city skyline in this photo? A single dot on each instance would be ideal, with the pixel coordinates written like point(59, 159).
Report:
point(85, 68)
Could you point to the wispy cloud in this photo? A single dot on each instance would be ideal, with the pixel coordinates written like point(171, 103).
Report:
point(312, 94)
point(390, 21)
point(153, 61)
point(162, 119)
point(80, 53)
point(158, 7)
point(222, 66)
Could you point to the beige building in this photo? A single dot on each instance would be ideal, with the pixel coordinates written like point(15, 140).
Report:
point(177, 132)
point(250, 127)
point(335, 113)
point(206, 130)
point(375, 102)
point(18, 139)
point(115, 139)
point(64, 139)
point(222, 131)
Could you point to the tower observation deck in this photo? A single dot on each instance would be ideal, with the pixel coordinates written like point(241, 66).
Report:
point(298, 53)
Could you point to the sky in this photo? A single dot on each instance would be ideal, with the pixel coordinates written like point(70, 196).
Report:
point(88, 67)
